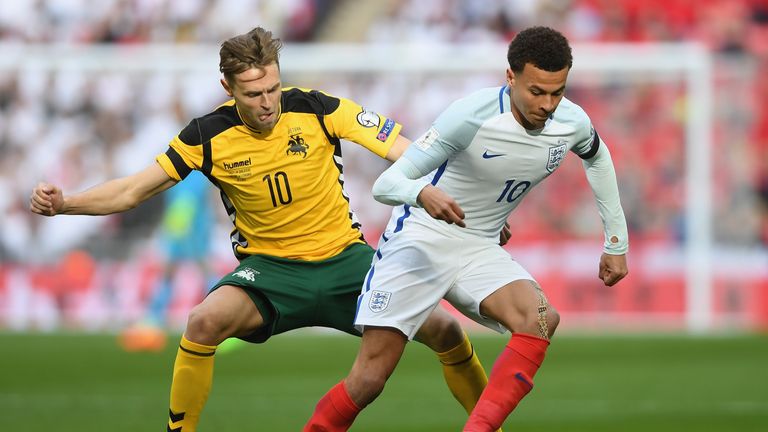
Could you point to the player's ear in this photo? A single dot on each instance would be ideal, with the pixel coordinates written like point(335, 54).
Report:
point(510, 77)
point(227, 89)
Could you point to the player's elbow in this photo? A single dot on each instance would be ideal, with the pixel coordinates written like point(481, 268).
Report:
point(382, 190)
point(128, 200)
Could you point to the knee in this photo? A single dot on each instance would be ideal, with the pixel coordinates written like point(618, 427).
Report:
point(541, 321)
point(205, 326)
point(441, 332)
point(369, 385)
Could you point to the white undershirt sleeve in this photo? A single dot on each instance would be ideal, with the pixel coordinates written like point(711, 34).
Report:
point(602, 178)
point(399, 184)
point(402, 182)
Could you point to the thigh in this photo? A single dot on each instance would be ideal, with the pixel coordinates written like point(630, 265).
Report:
point(225, 312)
point(407, 280)
point(292, 294)
point(487, 269)
point(521, 306)
point(339, 280)
point(251, 277)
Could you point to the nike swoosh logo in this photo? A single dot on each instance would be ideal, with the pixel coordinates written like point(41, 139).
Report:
point(491, 156)
point(520, 377)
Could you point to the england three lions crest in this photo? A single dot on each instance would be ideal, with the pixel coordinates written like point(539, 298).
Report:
point(556, 155)
point(379, 300)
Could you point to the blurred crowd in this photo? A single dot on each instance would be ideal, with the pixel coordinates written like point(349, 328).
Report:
point(154, 21)
point(78, 129)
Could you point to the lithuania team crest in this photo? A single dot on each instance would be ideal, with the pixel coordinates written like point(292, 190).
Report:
point(297, 146)
point(556, 155)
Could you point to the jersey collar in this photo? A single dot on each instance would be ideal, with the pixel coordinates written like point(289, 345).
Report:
point(504, 102)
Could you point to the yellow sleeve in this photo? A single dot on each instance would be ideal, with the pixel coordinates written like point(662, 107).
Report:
point(180, 159)
point(352, 122)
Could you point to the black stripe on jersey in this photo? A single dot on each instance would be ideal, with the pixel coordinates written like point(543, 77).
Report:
point(203, 129)
point(593, 150)
point(178, 163)
point(207, 165)
point(235, 237)
point(340, 166)
point(334, 140)
point(313, 101)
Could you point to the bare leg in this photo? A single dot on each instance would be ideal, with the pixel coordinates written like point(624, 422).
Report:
point(522, 307)
point(226, 312)
point(380, 351)
point(462, 370)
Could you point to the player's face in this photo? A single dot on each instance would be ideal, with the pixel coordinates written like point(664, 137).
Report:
point(257, 96)
point(535, 94)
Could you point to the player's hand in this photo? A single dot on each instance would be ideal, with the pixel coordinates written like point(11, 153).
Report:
point(441, 206)
point(505, 234)
point(46, 200)
point(613, 268)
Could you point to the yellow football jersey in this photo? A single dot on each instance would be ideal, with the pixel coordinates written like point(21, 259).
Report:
point(283, 189)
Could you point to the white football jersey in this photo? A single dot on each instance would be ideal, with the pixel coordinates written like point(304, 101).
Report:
point(493, 162)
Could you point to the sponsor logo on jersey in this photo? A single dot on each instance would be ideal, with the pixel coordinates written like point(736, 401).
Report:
point(240, 170)
point(425, 141)
point(556, 155)
point(247, 273)
point(487, 155)
point(368, 119)
point(379, 300)
point(237, 164)
point(297, 146)
point(389, 125)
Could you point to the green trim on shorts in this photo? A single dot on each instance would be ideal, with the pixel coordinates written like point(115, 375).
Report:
point(292, 294)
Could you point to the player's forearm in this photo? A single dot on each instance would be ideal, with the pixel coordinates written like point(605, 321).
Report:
point(106, 198)
point(399, 184)
point(602, 178)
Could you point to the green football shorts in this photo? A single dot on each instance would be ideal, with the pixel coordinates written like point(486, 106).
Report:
point(291, 294)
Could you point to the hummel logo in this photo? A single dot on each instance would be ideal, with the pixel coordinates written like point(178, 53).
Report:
point(487, 155)
point(237, 164)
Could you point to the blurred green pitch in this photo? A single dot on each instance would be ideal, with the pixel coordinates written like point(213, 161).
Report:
point(76, 382)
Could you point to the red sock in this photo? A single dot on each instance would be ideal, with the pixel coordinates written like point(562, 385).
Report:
point(511, 379)
point(335, 412)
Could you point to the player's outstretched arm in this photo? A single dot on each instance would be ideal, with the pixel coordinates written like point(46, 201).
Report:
point(602, 178)
point(398, 148)
point(113, 196)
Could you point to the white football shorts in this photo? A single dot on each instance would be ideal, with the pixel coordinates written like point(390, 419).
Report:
point(414, 269)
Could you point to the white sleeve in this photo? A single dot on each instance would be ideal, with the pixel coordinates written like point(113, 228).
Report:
point(602, 178)
point(402, 182)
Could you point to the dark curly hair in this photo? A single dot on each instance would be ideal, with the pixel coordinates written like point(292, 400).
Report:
point(543, 47)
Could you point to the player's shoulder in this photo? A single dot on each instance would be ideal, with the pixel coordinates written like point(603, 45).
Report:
point(303, 100)
point(203, 129)
point(568, 112)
